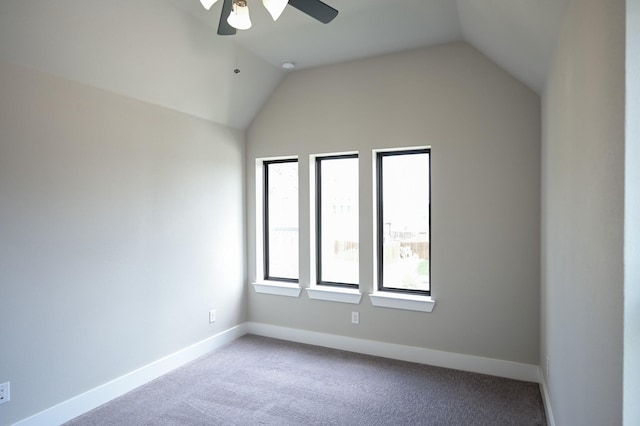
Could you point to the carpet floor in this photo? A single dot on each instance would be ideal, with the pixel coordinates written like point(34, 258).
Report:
point(262, 381)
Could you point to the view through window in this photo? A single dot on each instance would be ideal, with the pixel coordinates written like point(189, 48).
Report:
point(403, 198)
point(281, 220)
point(337, 220)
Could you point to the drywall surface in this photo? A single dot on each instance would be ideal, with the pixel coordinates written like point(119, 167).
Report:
point(582, 216)
point(145, 49)
point(632, 219)
point(484, 130)
point(121, 225)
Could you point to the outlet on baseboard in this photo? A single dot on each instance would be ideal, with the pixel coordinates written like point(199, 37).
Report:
point(5, 392)
point(355, 318)
point(212, 316)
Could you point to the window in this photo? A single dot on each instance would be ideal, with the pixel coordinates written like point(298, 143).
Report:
point(403, 221)
point(281, 220)
point(337, 236)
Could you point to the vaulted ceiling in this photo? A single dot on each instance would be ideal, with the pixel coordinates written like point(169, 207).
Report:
point(167, 52)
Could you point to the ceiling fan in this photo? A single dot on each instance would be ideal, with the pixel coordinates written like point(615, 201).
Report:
point(235, 13)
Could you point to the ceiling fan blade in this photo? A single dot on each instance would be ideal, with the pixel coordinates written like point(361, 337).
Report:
point(316, 9)
point(223, 27)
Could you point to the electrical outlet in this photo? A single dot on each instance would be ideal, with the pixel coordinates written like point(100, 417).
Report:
point(5, 392)
point(547, 368)
point(212, 316)
point(355, 318)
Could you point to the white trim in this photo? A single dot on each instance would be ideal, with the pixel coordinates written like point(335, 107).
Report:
point(475, 364)
point(402, 148)
point(546, 399)
point(334, 294)
point(95, 397)
point(312, 157)
point(409, 302)
point(277, 288)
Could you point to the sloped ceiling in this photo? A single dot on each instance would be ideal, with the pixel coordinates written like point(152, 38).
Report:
point(167, 52)
point(519, 35)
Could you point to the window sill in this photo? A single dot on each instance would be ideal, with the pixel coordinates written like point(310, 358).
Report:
point(277, 288)
point(408, 302)
point(335, 294)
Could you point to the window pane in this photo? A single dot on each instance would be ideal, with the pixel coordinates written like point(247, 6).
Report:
point(338, 221)
point(405, 221)
point(281, 217)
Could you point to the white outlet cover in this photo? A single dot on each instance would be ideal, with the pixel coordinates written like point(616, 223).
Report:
point(547, 368)
point(5, 392)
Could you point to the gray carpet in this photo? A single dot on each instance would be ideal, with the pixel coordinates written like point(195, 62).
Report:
point(262, 381)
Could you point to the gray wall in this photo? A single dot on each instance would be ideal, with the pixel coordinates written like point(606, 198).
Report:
point(632, 219)
point(121, 225)
point(484, 130)
point(582, 216)
point(160, 54)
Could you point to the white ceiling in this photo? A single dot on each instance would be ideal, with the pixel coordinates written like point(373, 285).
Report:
point(167, 52)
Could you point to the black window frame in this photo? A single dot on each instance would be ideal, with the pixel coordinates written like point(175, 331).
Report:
point(380, 219)
point(318, 227)
point(265, 219)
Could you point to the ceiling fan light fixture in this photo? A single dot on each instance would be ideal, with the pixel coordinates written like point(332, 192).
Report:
point(235, 13)
point(239, 16)
point(208, 3)
point(275, 7)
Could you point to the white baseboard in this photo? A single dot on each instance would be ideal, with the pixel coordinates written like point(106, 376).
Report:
point(93, 398)
point(475, 364)
point(546, 399)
